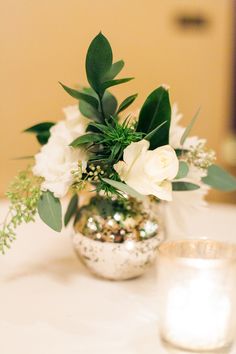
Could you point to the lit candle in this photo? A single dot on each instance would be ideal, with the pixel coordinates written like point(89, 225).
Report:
point(197, 294)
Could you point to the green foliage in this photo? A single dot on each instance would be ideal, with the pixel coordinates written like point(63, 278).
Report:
point(109, 105)
point(189, 127)
point(126, 103)
point(183, 170)
point(114, 70)
point(71, 209)
point(112, 139)
point(98, 62)
point(153, 133)
point(86, 139)
point(101, 71)
point(49, 209)
point(42, 131)
point(124, 188)
point(24, 194)
point(155, 111)
point(220, 179)
point(111, 83)
point(92, 101)
point(184, 186)
point(39, 128)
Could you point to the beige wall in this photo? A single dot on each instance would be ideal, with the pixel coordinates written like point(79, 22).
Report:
point(45, 41)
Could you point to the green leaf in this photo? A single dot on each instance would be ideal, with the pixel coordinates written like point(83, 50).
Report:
point(43, 137)
point(42, 131)
point(220, 179)
point(98, 61)
point(124, 188)
point(156, 110)
point(23, 158)
point(152, 135)
point(189, 127)
point(114, 71)
point(89, 111)
point(109, 104)
point(38, 128)
point(49, 209)
point(184, 186)
point(180, 152)
point(126, 103)
point(183, 170)
point(81, 96)
point(86, 109)
point(85, 139)
point(111, 83)
point(71, 209)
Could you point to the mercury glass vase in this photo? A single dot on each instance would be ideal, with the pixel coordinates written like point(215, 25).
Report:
point(118, 239)
point(197, 295)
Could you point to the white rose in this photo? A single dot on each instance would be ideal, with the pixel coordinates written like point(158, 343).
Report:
point(149, 171)
point(57, 159)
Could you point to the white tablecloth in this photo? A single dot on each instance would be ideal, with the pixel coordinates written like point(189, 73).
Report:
point(50, 304)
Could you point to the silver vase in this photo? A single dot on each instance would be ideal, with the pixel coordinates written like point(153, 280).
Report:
point(118, 239)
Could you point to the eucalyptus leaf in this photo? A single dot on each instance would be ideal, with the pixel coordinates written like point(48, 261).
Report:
point(49, 209)
point(184, 186)
point(183, 170)
point(124, 188)
point(114, 71)
point(126, 103)
point(111, 83)
point(220, 179)
point(189, 127)
point(86, 139)
point(156, 110)
point(39, 128)
point(71, 209)
point(81, 96)
point(98, 61)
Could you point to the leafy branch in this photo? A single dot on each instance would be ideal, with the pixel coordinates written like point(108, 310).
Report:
point(24, 194)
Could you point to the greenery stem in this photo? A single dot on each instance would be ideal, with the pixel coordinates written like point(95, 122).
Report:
point(101, 106)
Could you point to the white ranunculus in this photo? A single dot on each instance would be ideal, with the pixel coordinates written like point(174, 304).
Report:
point(149, 171)
point(57, 159)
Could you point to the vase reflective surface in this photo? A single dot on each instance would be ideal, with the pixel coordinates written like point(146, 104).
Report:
point(118, 240)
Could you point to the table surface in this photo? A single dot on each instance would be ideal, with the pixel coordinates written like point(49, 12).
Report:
point(50, 304)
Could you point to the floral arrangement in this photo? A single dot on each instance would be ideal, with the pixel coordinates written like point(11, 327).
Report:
point(98, 147)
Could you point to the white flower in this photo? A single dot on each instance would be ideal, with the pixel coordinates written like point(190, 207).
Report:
point(149, 171)
point(72, 127)
point(57, 159)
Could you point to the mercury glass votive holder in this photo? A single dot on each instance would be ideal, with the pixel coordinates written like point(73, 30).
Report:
point(197, 295)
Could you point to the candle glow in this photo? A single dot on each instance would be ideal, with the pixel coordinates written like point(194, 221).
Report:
point(197, 299)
